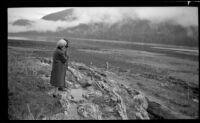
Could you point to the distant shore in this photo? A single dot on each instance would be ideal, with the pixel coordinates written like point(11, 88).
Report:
point(159, 46)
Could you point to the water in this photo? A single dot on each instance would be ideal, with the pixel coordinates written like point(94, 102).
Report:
point(190, 53)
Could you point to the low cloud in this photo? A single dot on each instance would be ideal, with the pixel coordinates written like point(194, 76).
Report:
point(42, 26)
point(107, 15)
point(184, 16)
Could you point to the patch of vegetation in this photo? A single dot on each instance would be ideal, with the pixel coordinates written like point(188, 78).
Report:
point(26, 90)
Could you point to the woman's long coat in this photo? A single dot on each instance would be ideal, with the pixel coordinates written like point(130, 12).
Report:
point(58, 72)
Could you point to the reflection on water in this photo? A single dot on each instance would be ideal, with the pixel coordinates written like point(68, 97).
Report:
point(186, 50)
point(35, 38)
point(18, 38)
point(172, 48)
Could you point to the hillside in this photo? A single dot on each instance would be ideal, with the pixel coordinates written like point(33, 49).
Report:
point(102, 83)
point(92, 94)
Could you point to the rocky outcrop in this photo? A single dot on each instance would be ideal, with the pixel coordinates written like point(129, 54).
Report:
point(96, 95)
point(89, 111)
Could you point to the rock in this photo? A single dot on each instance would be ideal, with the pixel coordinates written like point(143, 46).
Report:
point(85, 83)
point(66, 113)
point(129, 90)
point(108, 109)
point(70, 77)
point(140, 105)
point(106, 98)
point(114, 99)
point(80, 78)
point(77, 86)
point(92, 94)
point(54, 94)
point(91, 73)
point(90, 88)
point(142, 114)
point(93, 88)
point(76, 95)
point(68, 84)
point(90, 81)
point(45, 78)
point(45, 61)
point(163, 84)
point(72, 113)
point(102, 86)
point(47, 75)
point(59, 116)
point(78, 75)
point(89, 111)
point(140, 100)
point(65, 103)
point(195, 100)
point(158, 111)
point(42, 117)
point(120, 107)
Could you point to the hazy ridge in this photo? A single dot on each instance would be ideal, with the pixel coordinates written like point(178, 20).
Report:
point(127, 29)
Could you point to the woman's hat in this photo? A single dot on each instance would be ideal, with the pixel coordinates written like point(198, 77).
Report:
point(61, 43)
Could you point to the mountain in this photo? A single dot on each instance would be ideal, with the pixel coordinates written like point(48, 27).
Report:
point(134, 30)
point(22, 22)
point(61, 15)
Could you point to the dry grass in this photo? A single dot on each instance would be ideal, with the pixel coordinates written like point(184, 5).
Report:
point(26, 88)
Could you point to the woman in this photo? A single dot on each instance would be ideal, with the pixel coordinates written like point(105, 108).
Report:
point(60, 64)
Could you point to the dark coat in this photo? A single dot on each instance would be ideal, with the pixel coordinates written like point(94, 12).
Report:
point(58, 72)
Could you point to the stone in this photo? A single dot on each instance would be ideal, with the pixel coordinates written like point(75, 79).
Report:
point(108, 109)
point(195, 100)
point(65, 112)
point(76, 95)
point(65, 104)
point(106, 98)
point(92, 94)
point(89, 111)
point(114, 99)
point(68, 84)
point(42, 117)
point(90, 81)
point(77, 86)
point(58, 116)
point(72, 113)
point(120, 107)
point(142, 114)
point(140, 106)
point(163, 84)
point(78, 75)
point(140, 100)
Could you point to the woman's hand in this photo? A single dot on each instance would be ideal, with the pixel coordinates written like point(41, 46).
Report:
point(63, 49)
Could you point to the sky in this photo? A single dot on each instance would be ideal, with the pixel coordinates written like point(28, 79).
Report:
point(31, 13)
point(185, 16)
